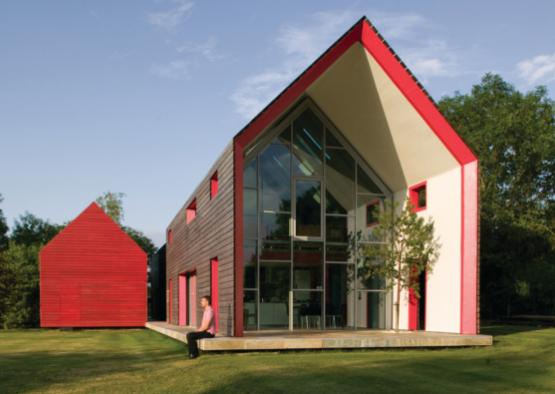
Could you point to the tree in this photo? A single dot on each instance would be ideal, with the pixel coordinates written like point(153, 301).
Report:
point(513, 135)
point(3, 271)
point(400, 247)
point(19, 271)
point(112, 204)
point(142, 240)
point(3, 229)
point(19, 286)
point(31, 230)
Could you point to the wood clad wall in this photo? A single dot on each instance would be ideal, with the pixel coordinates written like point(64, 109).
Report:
point(93, 274)
point(209, 235)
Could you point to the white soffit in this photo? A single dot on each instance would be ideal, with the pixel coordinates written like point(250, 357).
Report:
point(376, 118)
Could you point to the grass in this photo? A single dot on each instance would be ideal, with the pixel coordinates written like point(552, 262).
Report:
point(118, 361)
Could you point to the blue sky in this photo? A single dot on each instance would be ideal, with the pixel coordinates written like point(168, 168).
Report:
point(141, 97)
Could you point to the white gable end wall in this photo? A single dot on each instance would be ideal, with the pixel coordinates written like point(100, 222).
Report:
point(443, 296)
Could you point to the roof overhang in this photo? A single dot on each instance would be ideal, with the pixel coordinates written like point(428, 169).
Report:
point(374, 100)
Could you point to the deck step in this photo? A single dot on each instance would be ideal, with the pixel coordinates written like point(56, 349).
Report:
point(325, 339)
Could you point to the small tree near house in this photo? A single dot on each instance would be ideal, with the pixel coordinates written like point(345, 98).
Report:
point(400, 247)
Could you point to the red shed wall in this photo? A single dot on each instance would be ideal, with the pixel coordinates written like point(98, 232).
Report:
point(93, 275)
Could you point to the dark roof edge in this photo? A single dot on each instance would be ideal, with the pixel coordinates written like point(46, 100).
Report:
point(402, 63)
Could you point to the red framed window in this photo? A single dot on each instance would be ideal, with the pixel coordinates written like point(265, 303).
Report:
point(372, 212)
point(191, 211)
point(170, 236)
point(214, 185)
point(418, 196)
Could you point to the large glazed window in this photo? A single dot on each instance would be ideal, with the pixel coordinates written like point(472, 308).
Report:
point(308, 144)
point(308, 201)
point(306, 194)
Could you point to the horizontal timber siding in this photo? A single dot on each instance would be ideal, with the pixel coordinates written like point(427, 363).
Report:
point(207, 236)
point(93, 274)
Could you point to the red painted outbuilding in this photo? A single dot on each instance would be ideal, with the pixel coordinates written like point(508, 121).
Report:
point(92, 274)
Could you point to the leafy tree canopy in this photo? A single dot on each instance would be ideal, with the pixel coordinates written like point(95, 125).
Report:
point(513, 135)
point(19, 286)
point(112, 204)
point(31, 230)
point(3, 228)
point(142, 240)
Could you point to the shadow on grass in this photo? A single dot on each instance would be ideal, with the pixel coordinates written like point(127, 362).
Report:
point(21, 372)
point(440, 373)
point(498, 329)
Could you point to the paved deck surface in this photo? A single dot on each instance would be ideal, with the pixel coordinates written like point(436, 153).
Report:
point(328, 339)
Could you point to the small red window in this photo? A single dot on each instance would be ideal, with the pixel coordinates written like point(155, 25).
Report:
point(191, 211)
point(170, 236)
point(372, 213)
point(214, 185)
point(418, 198)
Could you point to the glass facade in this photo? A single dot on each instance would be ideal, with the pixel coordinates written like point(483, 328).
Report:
point(306, 193)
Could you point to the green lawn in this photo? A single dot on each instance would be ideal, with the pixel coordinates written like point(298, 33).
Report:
point(114, 361)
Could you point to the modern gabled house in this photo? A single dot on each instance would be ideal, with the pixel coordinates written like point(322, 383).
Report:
point(265, 233)
point(92, 274)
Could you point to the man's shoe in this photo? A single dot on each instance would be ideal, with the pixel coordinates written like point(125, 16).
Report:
point(192, 356)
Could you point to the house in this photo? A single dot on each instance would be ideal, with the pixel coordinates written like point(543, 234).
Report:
point(92, 274)
point(265, 233)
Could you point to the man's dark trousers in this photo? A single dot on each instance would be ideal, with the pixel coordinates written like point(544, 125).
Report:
point(192, 338)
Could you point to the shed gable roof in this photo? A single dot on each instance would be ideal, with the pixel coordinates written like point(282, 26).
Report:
point(91, 228)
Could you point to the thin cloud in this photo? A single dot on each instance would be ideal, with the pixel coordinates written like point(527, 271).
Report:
point(308, 40)
point(178, 69)
point(429, 59)
point(182, 68)
point(171, 19)
point(539, 69)
point(208, 49)
point(301, 44)
point(397, 26)
point(256, 91)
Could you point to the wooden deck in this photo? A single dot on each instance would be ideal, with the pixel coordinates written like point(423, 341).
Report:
point(328, 339)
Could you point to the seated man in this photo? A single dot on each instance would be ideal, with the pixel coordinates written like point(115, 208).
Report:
point(206, 329)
